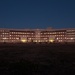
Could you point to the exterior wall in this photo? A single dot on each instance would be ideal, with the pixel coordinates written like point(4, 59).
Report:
point(56, 35)
point(71, 35)
point(37, 35)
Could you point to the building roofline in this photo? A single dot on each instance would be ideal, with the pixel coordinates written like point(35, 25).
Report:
point(47, 29)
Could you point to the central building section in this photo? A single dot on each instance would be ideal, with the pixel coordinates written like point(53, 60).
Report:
point(37, 35)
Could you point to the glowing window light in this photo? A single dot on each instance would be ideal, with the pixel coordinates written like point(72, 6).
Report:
point(17, 38)
point(23, 40)
point(71, 38)
point(51, 40)
point(57, 38)
point(35, 41)
point(4, 38)
point(39, 41)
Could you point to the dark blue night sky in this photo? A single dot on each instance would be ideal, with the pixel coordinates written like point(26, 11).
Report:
point(37, 13)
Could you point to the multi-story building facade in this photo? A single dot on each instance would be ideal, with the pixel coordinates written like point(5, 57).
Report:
point(37, 35)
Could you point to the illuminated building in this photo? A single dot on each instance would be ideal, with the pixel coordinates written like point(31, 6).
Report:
point(37, 35)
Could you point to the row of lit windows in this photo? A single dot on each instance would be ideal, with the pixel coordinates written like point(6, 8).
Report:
point(2, 30)
point(65, 38)
point(20, 33)
point(60, 38)
point(70, 30)
point(13, 41)
point(54, 33)
point(51, 35)
point(5, 38)
point(17, 33)
point(33, 36)
point(39, 33)
point(70, 33)
point(16, 38)
point(33, 33)
point(43, 38)
point(5, 33)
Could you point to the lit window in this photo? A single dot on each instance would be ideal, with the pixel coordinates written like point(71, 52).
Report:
point(17, 38)
point(10, 35)
point(24, 40)
point(51, 40)
point(12, 32)
point(57, 38)
point(29, 38)
point(65, 37)
point(4, 38)
point(2, 33)
point(71, 38)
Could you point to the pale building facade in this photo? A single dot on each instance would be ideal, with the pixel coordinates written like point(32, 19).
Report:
point(37, 35)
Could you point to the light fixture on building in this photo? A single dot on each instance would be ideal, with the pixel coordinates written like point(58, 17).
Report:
point(23, 40)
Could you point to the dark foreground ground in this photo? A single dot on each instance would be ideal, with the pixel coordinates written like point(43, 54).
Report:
point(37, 59)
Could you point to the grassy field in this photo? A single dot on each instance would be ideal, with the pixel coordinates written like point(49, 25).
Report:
point(37, 59)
